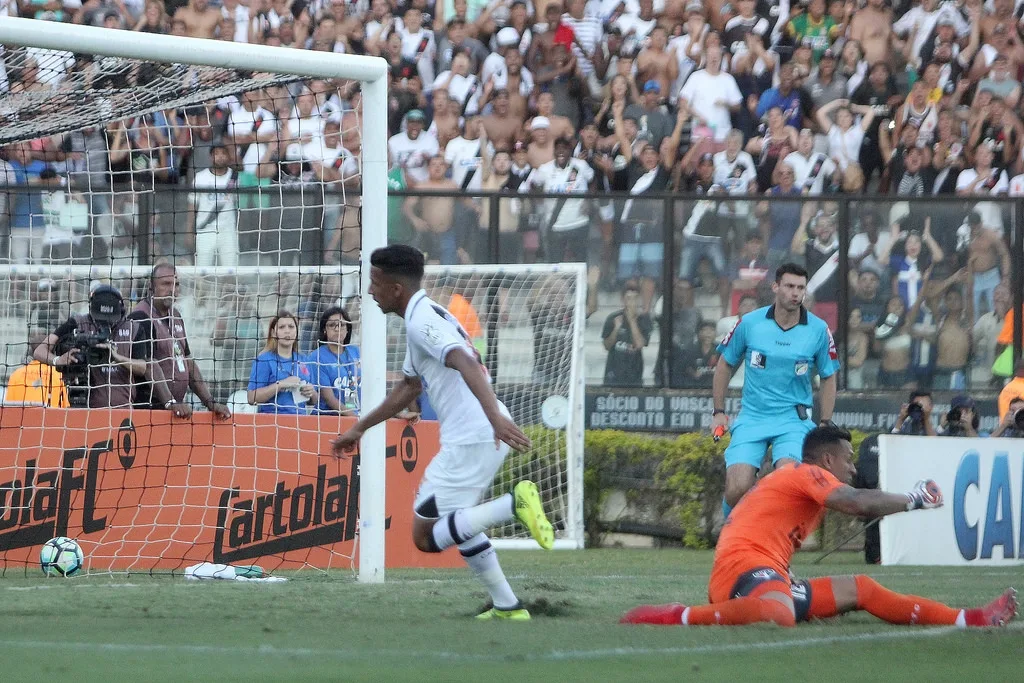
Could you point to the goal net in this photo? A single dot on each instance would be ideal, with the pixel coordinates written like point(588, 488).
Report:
point(527, 322)
point(260, 173)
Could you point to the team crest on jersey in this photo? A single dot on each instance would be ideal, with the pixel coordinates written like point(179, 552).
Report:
point(832, 353)
point(801, 368)
point(728, 337)
point(758, 360)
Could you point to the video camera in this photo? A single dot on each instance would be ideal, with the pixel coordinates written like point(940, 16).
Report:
point(106, 309)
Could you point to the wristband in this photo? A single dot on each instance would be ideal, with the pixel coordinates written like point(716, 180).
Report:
point(167, 406)
point(717, 411)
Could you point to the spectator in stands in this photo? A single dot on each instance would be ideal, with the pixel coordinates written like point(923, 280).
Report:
point(858, 344)
point(566, 219)
point(821, 254)
point(812, 170)
point(336, 365)
point(987, 328)
point(712, 95)
point(749, 270)
point(212, 224)
point(641, 248)
point(626, 333)
point(431, 217)
point(826, 85)
point(846, 135)
point(866, 296)
point(105, 374)
point(988, 263)
point(281, 381)
point(794, 103)
point(200, 18)
point(952, 363)
point(785, 215)
point(696, 367)
point(910, 254)
point(879, 92)
point(892, 343)
point(174, 370)
point(685, 320)
point(413, 148)
point(776, 141)
point(154, 18)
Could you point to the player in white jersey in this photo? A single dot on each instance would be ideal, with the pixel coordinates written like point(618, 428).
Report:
point(476, 431)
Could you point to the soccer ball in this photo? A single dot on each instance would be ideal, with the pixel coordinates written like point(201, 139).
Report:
point(61, 556)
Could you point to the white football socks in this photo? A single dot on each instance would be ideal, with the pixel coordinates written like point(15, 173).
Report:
point(460, 526)
point(482, 559)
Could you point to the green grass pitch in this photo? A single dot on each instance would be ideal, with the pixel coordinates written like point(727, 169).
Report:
point(419, 627)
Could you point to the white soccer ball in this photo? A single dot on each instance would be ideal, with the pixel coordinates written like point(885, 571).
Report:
point(61, 556)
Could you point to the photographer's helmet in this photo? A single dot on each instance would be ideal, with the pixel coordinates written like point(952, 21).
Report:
point(106, 305)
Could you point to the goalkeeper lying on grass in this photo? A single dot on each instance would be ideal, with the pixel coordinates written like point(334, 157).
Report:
point(750, 580)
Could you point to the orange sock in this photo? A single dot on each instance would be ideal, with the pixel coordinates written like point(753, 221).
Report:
point(897, 608)
point(739, 611)
point(823, 599)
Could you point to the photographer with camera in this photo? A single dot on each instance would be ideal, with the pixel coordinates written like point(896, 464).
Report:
point(915, 418)
point(174, 371)
point(1012, 424)
point(962, 419)
point(101, 355)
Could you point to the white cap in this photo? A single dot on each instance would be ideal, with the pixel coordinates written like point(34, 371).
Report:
point(507, 36)
point(540, 122)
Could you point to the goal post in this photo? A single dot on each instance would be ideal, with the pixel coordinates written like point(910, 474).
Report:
point(372, 73)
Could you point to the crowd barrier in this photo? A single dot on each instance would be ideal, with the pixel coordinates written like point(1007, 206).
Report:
point(143, 491)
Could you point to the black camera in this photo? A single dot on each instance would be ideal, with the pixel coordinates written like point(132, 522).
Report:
point(953, 416)
point(76, 374)
point(915, 412)
point(1018, 420)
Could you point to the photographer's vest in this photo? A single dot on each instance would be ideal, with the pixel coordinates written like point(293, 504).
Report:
point(169, 350)
point(111, 386)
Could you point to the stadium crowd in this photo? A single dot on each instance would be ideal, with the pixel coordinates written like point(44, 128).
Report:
point(796, 101)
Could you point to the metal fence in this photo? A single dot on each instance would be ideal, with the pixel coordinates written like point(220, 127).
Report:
point(915, 289)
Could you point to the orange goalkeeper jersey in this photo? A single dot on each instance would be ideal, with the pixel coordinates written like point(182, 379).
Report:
point(772, 520)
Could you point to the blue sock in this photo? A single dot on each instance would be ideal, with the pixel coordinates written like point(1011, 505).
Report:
point(726, 509)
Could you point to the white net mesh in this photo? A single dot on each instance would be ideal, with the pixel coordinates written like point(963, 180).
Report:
point(249, 183)
point(526, 322)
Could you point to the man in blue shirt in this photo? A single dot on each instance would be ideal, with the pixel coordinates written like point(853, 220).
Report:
point(794, 102)
point(781, 347)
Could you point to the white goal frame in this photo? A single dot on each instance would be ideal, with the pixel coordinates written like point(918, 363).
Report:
point(372, 72)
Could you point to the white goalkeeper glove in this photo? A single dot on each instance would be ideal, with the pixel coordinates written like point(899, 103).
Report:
point(925, 495)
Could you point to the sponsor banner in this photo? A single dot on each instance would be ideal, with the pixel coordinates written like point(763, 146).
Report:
point(664, 410)
point(982, 482)
point(142, 491)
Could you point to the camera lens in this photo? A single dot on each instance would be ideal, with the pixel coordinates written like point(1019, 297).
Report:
point(1018, 420)
point(915, 411)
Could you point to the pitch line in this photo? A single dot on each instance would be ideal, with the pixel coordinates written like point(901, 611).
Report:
point(910, 633)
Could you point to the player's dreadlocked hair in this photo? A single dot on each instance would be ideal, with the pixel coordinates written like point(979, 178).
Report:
point(818, 440)
point(399, 261)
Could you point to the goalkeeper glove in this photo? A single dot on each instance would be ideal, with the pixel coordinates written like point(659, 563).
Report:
point(925, 495)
